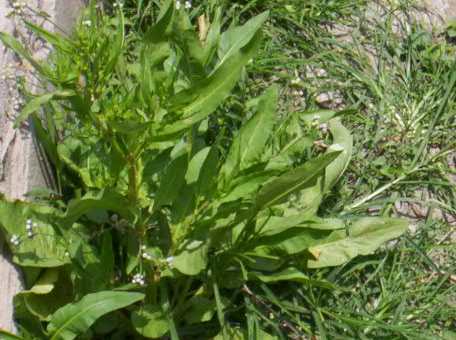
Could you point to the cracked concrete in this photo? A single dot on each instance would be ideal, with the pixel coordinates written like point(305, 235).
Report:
point(20, 169)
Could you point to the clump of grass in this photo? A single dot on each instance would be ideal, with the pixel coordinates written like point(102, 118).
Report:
point(399, 78)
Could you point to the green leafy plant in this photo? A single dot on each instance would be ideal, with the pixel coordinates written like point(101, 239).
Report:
point(154, 225)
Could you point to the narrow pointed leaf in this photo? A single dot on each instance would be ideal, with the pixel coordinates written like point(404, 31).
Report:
point(172, 181)
point(290, 274)
point(75, 319)
point(58, 41)
point(237, 37)
point(280, 188)
point(364, 237)
point(195, 165)
point(249, 144)
point(105, 200)
point(196, 103)
point(341, 138)
point(17, 47)
point(35, 104)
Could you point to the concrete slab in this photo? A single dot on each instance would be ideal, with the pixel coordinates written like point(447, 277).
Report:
point(20, 163)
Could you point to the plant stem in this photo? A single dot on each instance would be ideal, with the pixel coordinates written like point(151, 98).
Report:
point(166, 307)
point(218, 301)
point(181, 301)
point(132, 180)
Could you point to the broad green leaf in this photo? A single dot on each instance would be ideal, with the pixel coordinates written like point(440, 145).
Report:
point(248, 146)
point(364, 237)
point(46, 248)
point(297, 179)
point(45, 284)
point(92, 266)
point(236, 38)
point(105, 199)
point(208, 174)
point(172, 181)
point(196, 103)
point(184, 205)
point(246, 186)
point(290, 274)
point(310, 198)
point(276, 224)
point(195, 165)
point(150, 321)
point(193, 259)
point(52, 291)
point(75, 319)
point(290, 242)
point(97, 164)
point(201, 309)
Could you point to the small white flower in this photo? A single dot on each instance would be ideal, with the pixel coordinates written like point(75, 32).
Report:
point(30, 234)
point(67, 254)
point(143, 247)
point(147, 256)
point(115, 5)
point(188, 5)
point(15, 240)
point(170, 260)
point(139, 279)
point(178, 5)
point(87, 23)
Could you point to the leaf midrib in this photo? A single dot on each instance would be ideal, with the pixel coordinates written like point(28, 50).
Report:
point(300, 183)
point(59, 330)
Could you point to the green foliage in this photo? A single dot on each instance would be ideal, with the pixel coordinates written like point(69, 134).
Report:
point(149, 202)
point(75, 319)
